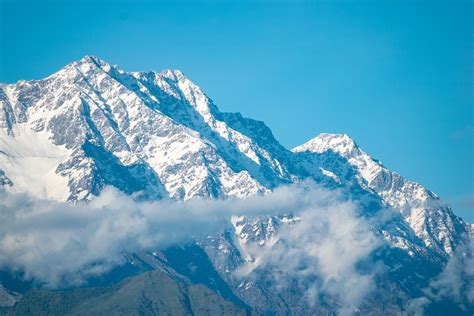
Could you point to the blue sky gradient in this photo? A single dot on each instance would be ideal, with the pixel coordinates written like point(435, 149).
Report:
point(397, 76)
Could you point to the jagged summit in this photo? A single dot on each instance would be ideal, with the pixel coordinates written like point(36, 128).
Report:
point(90, 59)
point(340, 143)
point(174, 74)
point(94, 61)
point(87, 64)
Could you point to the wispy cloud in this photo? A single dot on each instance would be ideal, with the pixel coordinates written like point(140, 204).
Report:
point(59, 243)
point(322, 250)
point(455, 283)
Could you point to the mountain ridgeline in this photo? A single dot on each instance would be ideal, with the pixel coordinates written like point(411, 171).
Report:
point(156, 135)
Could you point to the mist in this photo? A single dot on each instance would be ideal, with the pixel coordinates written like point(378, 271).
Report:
point(60, 243)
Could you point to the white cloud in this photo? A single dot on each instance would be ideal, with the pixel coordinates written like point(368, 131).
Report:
point(455, 283)
point(321, 250)
point(60, 243)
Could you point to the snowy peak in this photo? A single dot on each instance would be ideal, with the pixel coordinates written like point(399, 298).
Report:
point(371, 173)
point(173, 74)
point(91, 61)
point(157, 128)
point(338, 143)
point(86, 66)
point(345, 147)
point(431, 220)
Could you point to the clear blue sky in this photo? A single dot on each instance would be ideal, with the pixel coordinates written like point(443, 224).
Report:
point(395, 75)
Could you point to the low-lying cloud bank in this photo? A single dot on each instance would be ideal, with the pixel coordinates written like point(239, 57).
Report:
point(50, 240)
point(60, 243)
point(63, 244)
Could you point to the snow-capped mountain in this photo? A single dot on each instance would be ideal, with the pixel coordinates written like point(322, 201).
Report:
point(430, 219)
point(91, 124)
point(157, 135)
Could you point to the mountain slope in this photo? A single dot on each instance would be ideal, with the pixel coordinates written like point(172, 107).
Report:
point(93, 115)
point(151, 293)
point(430, 219)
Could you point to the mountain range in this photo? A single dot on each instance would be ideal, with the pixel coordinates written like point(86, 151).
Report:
point(158, 136)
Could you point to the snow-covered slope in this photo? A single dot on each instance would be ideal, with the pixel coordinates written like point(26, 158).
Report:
point(431, 220)
point(99, 125)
